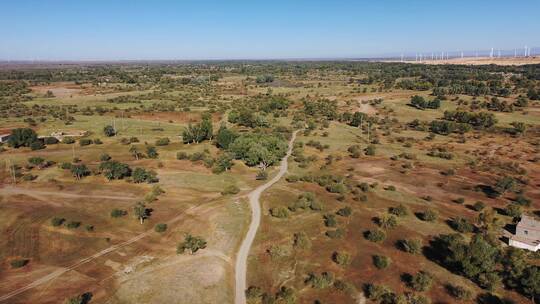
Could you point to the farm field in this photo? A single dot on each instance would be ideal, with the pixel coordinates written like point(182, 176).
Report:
point(130, 183)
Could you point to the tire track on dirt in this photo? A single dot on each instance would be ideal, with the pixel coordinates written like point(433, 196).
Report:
point(57, 273)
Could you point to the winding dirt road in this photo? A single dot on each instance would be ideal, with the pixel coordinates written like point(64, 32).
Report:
point(243, 252)
point(241, 259)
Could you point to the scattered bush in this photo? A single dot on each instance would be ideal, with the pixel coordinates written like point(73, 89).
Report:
point(422, 281)
point(378, 293)
point(68, 140)
point(104, 157)
point(18, 263)
point(191, 244)
point(182, 155)
point(399, 211)
point(160, 227)
point(462, 225)
point(346, 211)
point(381, 261)
point(370, 150)
point(85, 142)
point(57, 221)
point(459, 292)
point(428, 215)
point(387, 221)
point(37, 145)
point(261, 175)
point(109, 131)
point(375, 236)
point(114, 170)
point(116, 213)
point(301, 240)
point(478, 206)
point(341, 258)
point(413, 246)
point(151, 152)
point(73, 224)
point(231, 189)
point(324, 280)
point(279, 212)
point(162, 141)
point(141, 175)
point(335, 234)
point(330, 220)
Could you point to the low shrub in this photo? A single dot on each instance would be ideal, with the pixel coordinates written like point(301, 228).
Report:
point(160, 227)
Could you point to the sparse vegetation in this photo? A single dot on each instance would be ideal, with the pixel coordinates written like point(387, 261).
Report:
point(393, 162)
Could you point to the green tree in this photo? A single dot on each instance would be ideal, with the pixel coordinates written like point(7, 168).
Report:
point(301, 241)
point(22, 137)
point(376, 236)
point(36, 161)
point(141, 175)
point(109, 131)
point(422, 281)
point(191, 244)
point(225, 137)
point(258, 149)
point(476, 260)
point(79, 171)
point(428, 215)
point(381, 261)
point(413, 246)
point(418, 102)
point(223, 163)
point(514, 263)
point(140, 211)
point(151, 152)
point(505, 184)
point(513, 210)
point(206, 126)
point(401, 210)
point(279, 212)
point(198, 132)
point(386, 221)
point(80, 299)
point(519, 127)
point(115, 170)
point(341, 258)
point(530, 282)
point(135, 152)
point(160, 227)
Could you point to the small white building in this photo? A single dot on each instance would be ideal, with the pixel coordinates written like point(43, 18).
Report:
point(527, 234)
point(4, 137)
point(73, 133)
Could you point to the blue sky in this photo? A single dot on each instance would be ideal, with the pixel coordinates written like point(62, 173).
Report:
point(133, 29)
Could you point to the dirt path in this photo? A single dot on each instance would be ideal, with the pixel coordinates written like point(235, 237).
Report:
point(59, 272)
point(40, 193)
point(243, 252)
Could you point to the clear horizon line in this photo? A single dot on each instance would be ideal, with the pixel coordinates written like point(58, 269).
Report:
point(408, 54)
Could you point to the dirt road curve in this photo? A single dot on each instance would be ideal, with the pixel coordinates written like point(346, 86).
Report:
point(241, 258)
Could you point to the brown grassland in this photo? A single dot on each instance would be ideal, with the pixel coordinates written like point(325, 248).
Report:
point(120, 260)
